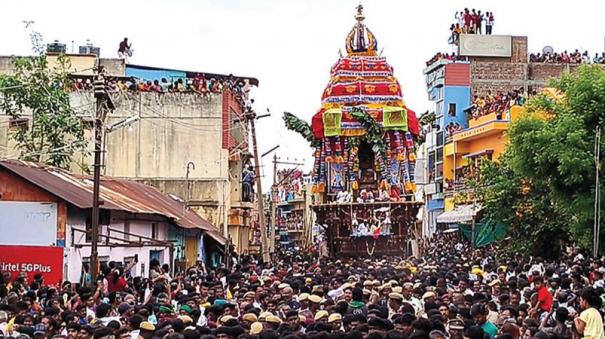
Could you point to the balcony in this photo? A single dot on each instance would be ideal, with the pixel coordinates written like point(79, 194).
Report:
point(483, 126)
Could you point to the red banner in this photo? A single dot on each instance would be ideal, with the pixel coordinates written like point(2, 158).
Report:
point(32, 260)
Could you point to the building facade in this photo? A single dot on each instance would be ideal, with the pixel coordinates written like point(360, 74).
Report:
point(459, 140)
point(448, 86)
point(49, 207)
point(191, 142)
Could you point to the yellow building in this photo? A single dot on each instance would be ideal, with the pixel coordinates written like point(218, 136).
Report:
point(484, 139)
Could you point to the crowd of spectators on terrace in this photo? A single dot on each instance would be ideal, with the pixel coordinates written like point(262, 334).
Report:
point(445, 56)
point(199, 85)
point(575, 57)
point(471, 22)
point(500, 103)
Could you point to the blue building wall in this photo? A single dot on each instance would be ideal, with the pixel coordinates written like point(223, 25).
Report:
point(461, 96)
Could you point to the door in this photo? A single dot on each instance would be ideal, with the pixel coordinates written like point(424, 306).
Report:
point(191, 250)
point(157, 255)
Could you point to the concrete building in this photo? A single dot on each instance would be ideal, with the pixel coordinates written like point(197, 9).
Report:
point(457, 142)
point(192, 145)
point(448, 86)
point(47, 206)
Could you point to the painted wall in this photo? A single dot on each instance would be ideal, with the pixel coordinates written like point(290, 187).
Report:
point(461, 96)
point(14, 188)
point(76, 255)
point(79, 63)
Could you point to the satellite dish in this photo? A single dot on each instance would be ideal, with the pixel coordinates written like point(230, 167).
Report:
point(547, 50)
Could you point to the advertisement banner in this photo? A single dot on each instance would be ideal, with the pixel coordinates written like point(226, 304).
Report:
point(32, 260)
point(485, 45)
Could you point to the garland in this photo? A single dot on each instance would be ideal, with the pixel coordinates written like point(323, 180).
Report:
point(375, 137)
point(370, 253)
point(316, 165)
point(322, 169)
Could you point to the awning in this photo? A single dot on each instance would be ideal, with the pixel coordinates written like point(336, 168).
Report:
point(435, 204)
point(462, 213)
point(478, 154)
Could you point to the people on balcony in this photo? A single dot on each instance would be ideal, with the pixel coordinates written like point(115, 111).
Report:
point(499, 103)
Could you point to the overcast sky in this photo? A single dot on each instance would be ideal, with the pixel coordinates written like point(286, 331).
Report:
point(290, 45)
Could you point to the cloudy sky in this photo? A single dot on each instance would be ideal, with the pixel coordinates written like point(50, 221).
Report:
point(289, 45)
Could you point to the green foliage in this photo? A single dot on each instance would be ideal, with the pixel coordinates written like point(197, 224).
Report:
point(543, 186)
point(299, 126)
point(427, 118)
point(55, 133)
point(374, 132)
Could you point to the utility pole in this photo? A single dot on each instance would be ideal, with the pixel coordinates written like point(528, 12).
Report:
point(251, 116)
point(274, 202)
point(103, 103)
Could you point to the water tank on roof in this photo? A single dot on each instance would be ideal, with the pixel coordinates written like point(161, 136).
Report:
point(56, 47)
point(89, 48)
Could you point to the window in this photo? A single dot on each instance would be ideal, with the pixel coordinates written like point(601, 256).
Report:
point(451, 110)
point(88, 230)
point(154, 230)
point(18, 123)
point(127, 230)
point(88, 122)
point(439, 108)
point(440, 155)
point(439, 139)
point(439, 174)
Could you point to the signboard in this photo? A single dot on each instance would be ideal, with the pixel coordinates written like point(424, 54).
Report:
point(32, 260)
point(30, 223)
point(485, 45)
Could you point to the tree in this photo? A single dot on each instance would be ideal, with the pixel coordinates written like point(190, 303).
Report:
point(543, 187)
point(55, 133)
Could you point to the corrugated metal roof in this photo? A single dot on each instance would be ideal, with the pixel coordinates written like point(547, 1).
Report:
point(116, 194)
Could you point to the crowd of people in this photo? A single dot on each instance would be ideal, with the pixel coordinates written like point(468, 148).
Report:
point(445, 56)
point(292, 221)
point(290, 184)
point(575, 57)
point(450, 291)
point(199, 85)
point(471, 22)
point(498, 103)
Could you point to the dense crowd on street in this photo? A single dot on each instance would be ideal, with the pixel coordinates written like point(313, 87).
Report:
point(575, 57)
point(452, 291)
point(498, 103)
